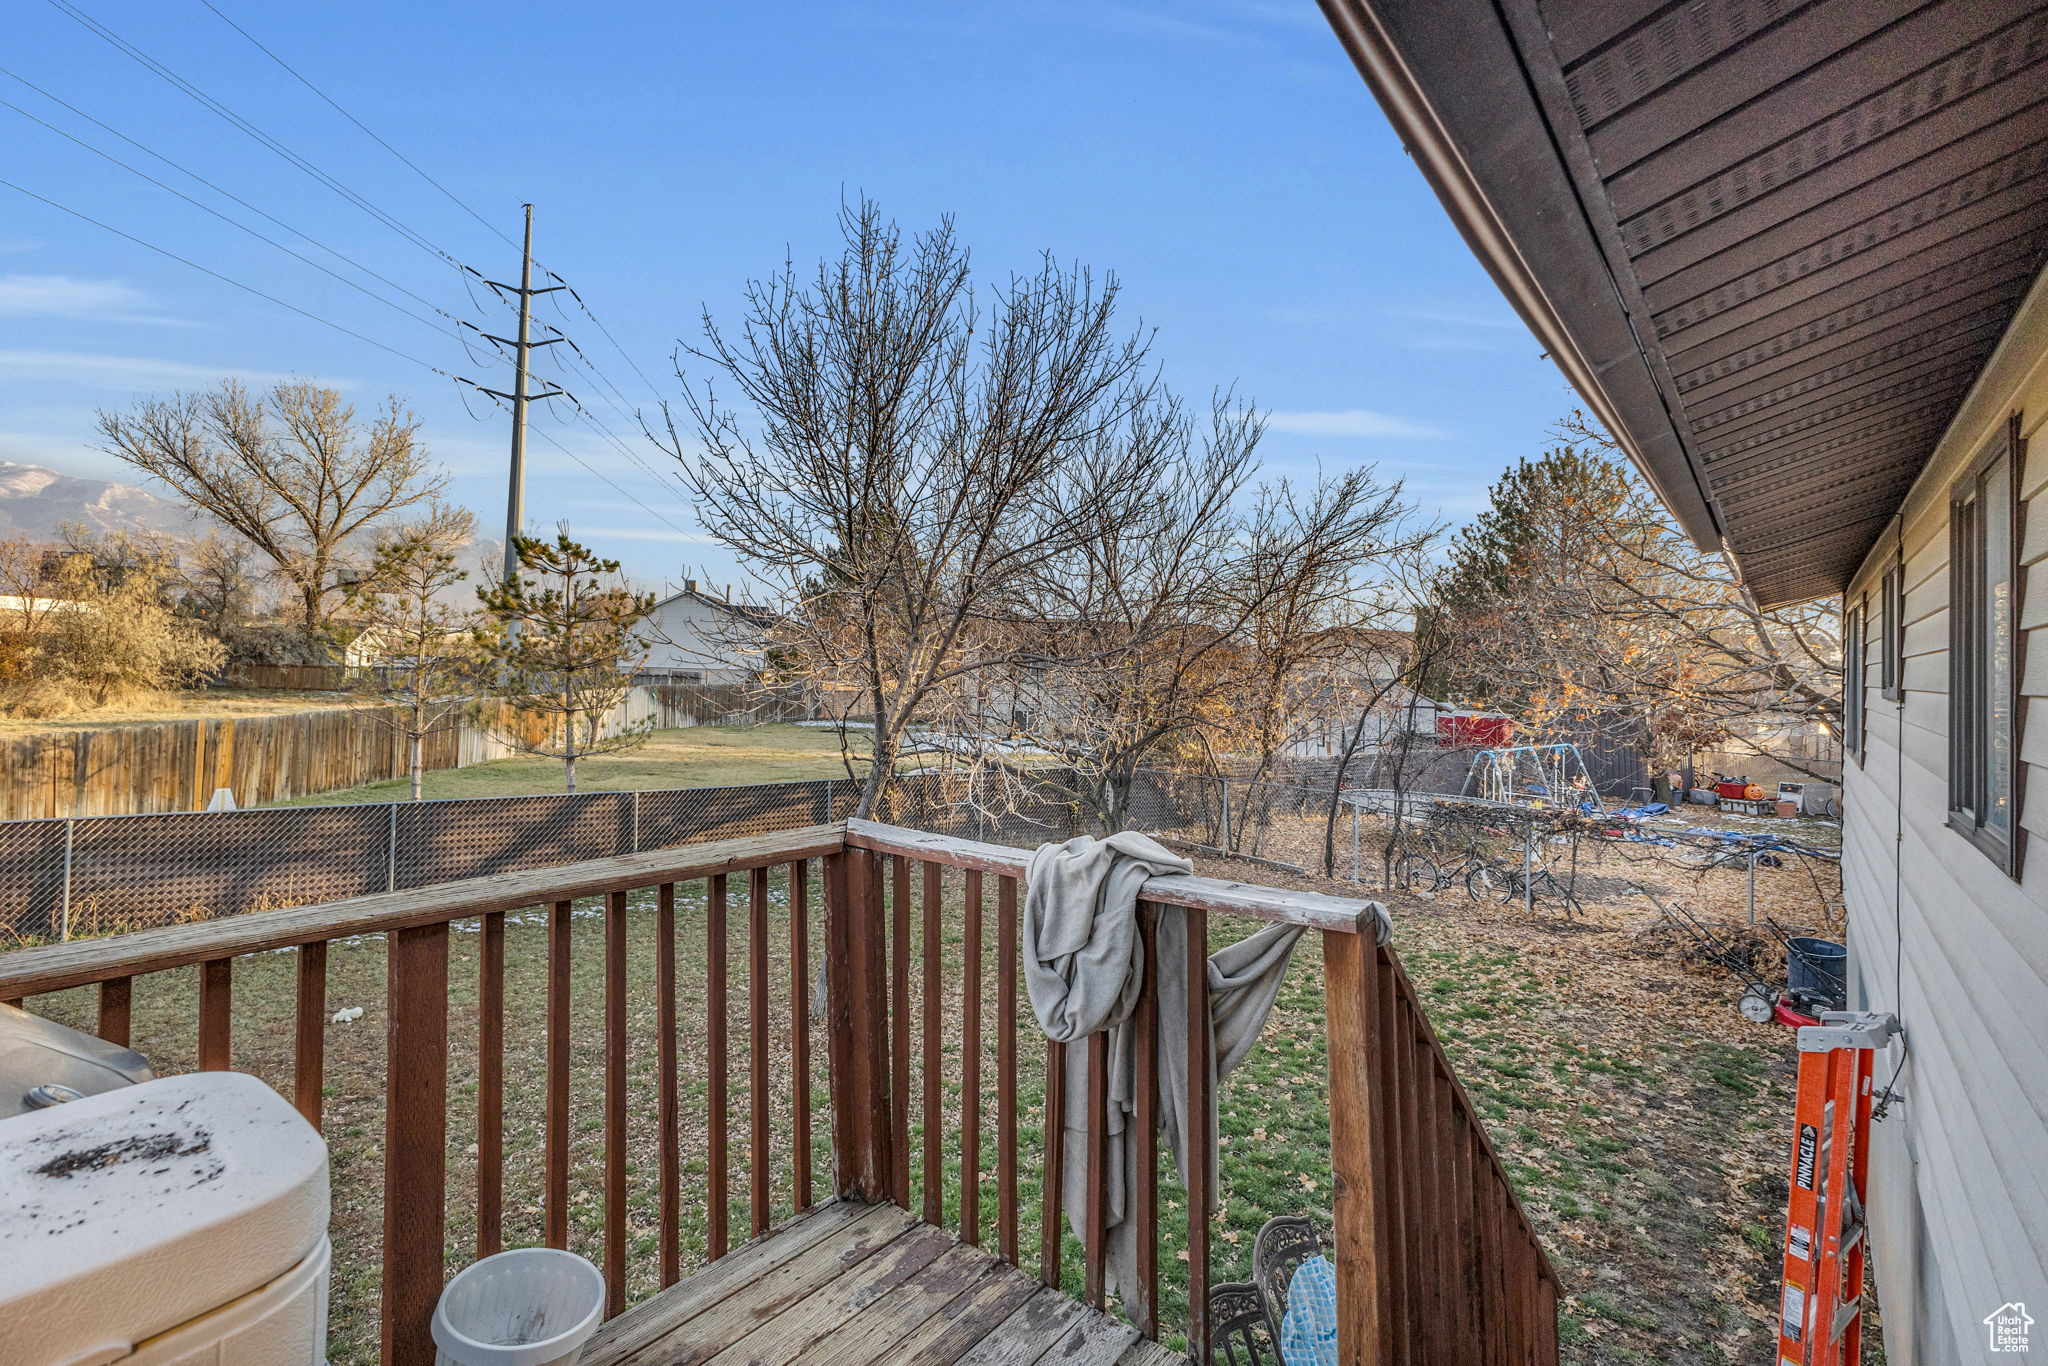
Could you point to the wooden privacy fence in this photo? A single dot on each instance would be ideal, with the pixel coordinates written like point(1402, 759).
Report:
point(1435, 1259)
point(178, 765)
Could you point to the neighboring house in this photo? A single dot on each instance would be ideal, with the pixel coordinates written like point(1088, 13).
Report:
point(375, 646)
point(1790, 255)
point(696, 636)
point(1400, 717)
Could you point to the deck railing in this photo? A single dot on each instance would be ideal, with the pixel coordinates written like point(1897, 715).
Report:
point(1436, 1261)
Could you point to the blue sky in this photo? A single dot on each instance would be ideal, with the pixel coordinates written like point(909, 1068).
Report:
point(1221, 156)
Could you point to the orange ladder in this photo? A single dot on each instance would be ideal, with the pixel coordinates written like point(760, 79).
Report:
point(1821, 1315)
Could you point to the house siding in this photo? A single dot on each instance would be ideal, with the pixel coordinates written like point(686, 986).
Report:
point(689, 634)
point(1940, 936)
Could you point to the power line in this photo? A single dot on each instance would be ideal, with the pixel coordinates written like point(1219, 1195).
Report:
point(367, 131)
point(206, 101)
point(204, 208)
point(548, 437)
point(229, 195)
point(224, 279)
point(453, 198)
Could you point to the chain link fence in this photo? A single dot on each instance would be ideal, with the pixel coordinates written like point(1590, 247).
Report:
point(67, 878)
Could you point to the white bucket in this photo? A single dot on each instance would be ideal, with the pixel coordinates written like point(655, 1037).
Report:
point(533, 1306)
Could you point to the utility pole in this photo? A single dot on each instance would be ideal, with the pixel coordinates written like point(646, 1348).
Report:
point(515, 495)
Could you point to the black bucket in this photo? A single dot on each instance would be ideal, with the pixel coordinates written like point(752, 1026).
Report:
point(1820, 967)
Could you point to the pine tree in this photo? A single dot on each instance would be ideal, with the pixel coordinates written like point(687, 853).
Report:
point(562, 649)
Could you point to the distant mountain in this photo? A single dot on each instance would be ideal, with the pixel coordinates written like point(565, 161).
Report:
point(36, 500)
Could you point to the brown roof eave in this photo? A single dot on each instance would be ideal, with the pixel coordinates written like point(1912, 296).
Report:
point(1614, 380)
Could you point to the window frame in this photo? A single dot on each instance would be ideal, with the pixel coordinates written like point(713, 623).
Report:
point(1891, 636)
point(1973, 730)
point(1855, 665)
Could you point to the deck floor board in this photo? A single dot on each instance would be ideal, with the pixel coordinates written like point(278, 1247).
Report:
point(848, 1285)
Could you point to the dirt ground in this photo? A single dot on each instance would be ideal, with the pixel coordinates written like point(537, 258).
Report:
point(1645, 1122)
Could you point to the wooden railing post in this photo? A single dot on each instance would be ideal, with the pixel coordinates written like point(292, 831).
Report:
point(1351, 985)
point(857, 1027)
point(415, 1140)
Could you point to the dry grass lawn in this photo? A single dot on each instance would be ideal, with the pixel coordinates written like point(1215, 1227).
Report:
point(1641, 1118)
point(693, 756)
point(156, 708)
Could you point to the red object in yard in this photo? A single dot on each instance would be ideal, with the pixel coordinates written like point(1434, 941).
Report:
point(1733, 791)
point(1474, 730)
point(1784, 1014)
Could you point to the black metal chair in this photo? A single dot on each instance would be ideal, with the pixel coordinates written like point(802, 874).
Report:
point(1284, 1243)
point(1240, 1333)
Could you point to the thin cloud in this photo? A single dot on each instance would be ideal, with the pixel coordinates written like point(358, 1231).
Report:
point(67, 296)
point(130, 372)
point(1349, 422)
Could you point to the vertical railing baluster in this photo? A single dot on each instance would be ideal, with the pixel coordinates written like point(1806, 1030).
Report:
point(216, 1013)
point(1201, 1099)
point(1546, 1321)
point(932, 1007)
point(760, 1179)
point(415, 1140)
point(717, 1210)
point(309, 1033)
point(1006, 1071)
point(857, 1040)
point(1457, 1143)
point(1433, 1245)
point(970, 1059)
point(1351, 989)
point(490, 1086)
point(1097, 1121)
point(1415, 1167)
point(615, 1102)
point(899, 1025)
point(800, 1033)
point(1442, 1143)
point(1145, 1116)
point(1495, 1341)
point(555, 1217)
point(1387, 1102)
point(1052, 1174)
point(116, 999)
point(668, 1105)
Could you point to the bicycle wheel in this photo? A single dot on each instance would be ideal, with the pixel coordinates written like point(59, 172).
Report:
point(1485, 883)
point(1415, 874)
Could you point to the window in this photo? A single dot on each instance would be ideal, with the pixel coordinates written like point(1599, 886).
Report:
point(1983, 578)
point(1891, 640)
point(1852, 681)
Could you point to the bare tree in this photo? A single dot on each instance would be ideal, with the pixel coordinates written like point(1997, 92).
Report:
point(295, 473)
point(1581, 607)
point(569, 661)
point(218, 589)
point(418, 665)
point(908, 452)
point(88, 631)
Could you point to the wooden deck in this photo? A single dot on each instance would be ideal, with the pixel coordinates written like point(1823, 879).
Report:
point(850, 1284)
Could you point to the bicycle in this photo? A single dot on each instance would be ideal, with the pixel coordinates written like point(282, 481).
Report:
point(1506, 885)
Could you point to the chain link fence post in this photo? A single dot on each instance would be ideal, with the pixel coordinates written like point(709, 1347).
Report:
point(391, 850)
point(64, 906)
point(1224, 843)
point(1356, 874)
point(636, 820)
